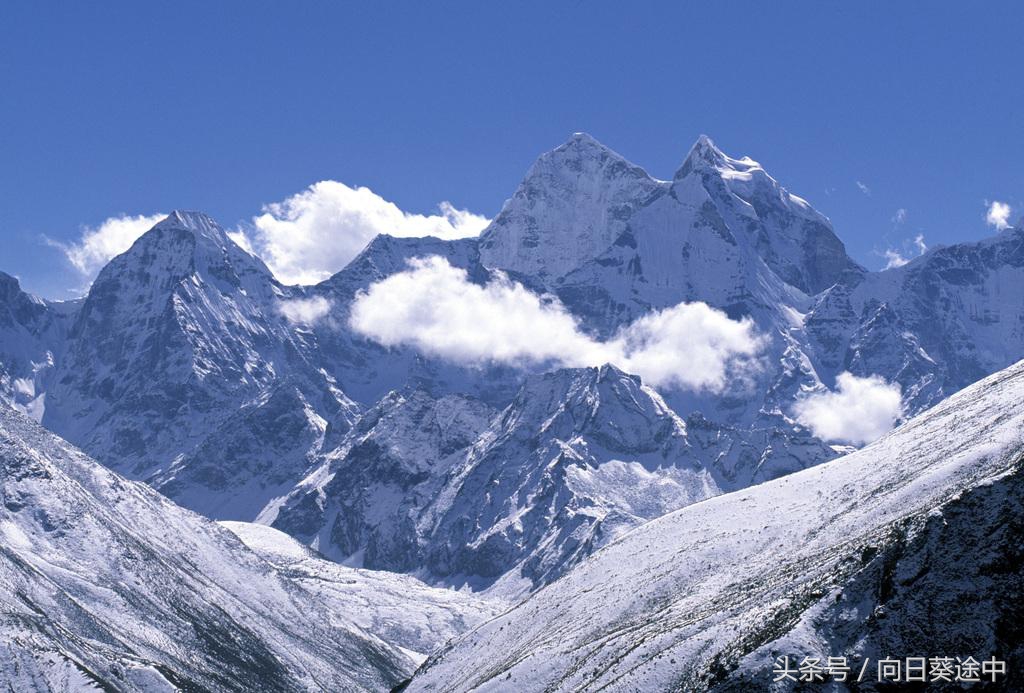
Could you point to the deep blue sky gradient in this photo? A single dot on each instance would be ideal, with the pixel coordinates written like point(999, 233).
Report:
point(112, 107)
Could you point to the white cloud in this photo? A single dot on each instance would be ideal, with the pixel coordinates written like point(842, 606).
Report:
point(435, 308)
point(894, 259)
point(863, 188)
point(998, 215)
point(305, 311)
point(689, 346)
point(897, 258)
point(900, 216)
point(99, 244)
point(858, 411)
point(313, 234)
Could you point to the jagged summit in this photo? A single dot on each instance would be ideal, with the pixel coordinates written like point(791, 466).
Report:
point(188, 219)
point(705, 155)
point(572, 204)
point(583, 143)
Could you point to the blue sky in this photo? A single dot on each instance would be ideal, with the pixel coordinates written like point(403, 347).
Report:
point(111, 108)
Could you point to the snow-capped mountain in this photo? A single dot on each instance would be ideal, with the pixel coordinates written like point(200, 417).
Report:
point(177, 355)
point(173, 336)
point(571, 206)
point(935, 325)
point(32, 332)
point(105, 584)
point(185, 368)
point(450, 490)
point(845, 559)
point(190, 367)
point(726, 233)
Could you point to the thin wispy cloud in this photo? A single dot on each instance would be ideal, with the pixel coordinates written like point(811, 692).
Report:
point(99, 244)
point(900, 216)
point(863, 188)
point(313, 234)
point(911, 248)
point(435, 308)
point(894, 259)
point(858, 411)
point(998, 215)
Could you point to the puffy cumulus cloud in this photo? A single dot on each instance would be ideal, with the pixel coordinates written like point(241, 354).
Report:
point(998, 215)
point(313, 234)
point(305, 311)
point(689, 346)
point(99, 244)
point(858, 411)
point(434, 307)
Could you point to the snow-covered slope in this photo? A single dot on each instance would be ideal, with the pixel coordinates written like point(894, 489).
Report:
point(398, 609)
point(579, 456)
point(170, 333)
point(257, 454)
point(845, 559)
point(107, 585)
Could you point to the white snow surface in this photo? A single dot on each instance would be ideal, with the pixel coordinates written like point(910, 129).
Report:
point(399, 609)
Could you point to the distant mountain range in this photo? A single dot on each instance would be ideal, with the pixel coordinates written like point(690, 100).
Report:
point(188, 368)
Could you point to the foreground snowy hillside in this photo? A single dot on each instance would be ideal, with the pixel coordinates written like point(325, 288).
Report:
point(909, 547)
point(399, 609)
point(104, 584)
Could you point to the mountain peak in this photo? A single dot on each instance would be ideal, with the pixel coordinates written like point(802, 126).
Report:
point(570, 207)
point(705, 149)
point(583, 139)
point(197, 222)
point(705, 155)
